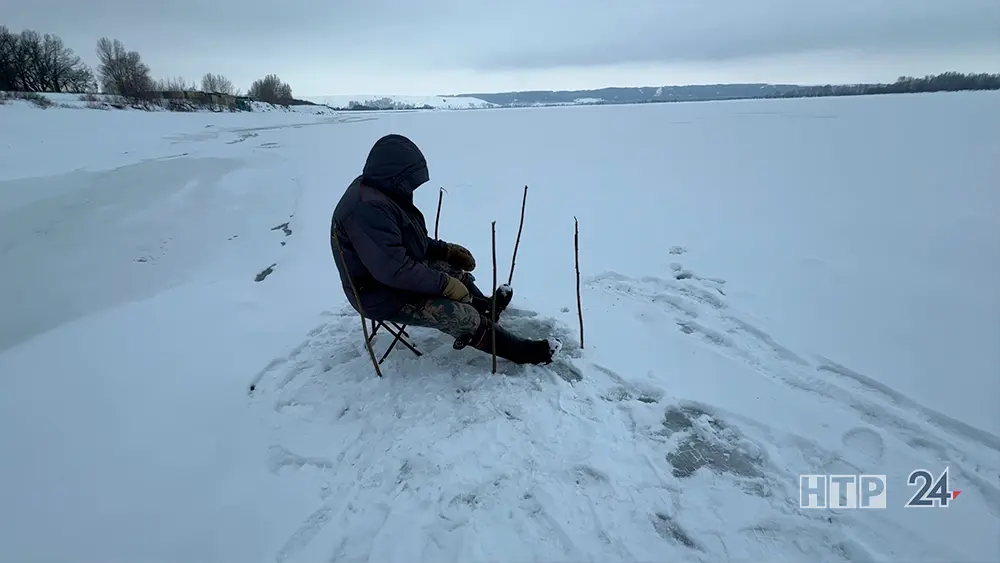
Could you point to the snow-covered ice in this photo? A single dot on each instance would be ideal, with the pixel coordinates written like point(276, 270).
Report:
point(435, 102)
point(770, 288)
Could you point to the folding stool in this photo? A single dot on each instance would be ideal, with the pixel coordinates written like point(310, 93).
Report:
point(400, 335)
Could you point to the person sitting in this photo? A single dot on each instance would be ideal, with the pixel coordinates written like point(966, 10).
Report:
point(403, 275)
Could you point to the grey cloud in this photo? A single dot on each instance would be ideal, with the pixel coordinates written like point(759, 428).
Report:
point(263, 22)
point(717, 30)
point(242, 39)
point(400, 36)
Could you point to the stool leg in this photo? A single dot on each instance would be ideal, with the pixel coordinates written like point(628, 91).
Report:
point(398, 337)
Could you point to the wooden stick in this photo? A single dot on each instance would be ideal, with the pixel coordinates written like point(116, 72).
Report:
point(576, 254)
point(513, 259)
point(493, 308)
point(437, 219)
point(357, 299)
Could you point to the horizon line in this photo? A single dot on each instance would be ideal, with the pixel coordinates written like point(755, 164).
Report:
point(694, 85)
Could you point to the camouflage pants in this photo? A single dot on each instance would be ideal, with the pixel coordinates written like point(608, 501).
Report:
point(460, 320)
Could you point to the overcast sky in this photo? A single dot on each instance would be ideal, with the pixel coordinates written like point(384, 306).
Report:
point(454, 46)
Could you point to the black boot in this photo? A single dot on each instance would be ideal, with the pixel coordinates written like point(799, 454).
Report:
point(484, 304)
point(516, 349)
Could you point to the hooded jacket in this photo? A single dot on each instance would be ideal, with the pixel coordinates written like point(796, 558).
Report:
point(383, 235)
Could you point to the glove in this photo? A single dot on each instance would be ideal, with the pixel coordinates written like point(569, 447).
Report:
point(456, 291)
point(460, 257)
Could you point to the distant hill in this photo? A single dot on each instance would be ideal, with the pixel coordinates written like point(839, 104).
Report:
point(948, 81)
point(646, 94)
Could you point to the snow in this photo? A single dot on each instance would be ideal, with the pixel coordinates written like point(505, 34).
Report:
point(105, 101)
point(770, 288)
point(405, 102)
point(307, 109)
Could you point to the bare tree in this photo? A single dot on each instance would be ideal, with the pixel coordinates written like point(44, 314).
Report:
point(218, 84)
point(122, 72)
point(272, 90)
point(176, 84)
point(28, 58)
point(31, 62)
point(9, 70)
point(66, 71)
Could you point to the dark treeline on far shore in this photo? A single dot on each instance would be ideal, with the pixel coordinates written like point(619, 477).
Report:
point(944, 82)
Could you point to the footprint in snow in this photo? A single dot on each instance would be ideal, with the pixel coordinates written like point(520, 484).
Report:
point(668, 529)
point(864, 444)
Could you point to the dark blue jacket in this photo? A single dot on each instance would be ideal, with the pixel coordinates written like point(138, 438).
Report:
point(383, 235)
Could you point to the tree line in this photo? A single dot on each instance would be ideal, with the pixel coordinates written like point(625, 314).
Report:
point(944, 82)
point(33, 62)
